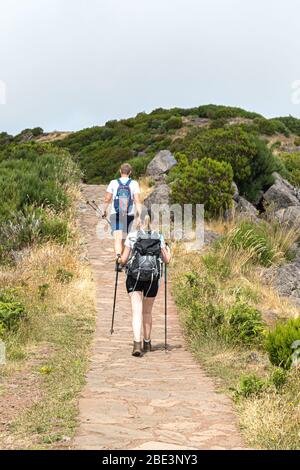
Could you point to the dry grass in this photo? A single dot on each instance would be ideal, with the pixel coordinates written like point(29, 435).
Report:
point(51, 346)
point(272, 419)
point(146, 186)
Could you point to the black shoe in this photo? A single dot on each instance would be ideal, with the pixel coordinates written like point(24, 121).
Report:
point(137, 349)
point(147, 346)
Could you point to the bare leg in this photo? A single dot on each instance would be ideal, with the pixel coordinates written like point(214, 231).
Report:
point(147, 316)
point(119, 242)
point(137, 314)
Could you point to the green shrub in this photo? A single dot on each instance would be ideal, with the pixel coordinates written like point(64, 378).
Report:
point(139, 166)
point(218, 123)
point(250, 385)
point(250, 158)
point(213, 111)
point(279, 342)
point(12, 311)
point(205, 182)
point(55, 228)
point(270, 126)
point(245, 324)
point(276, 145)
point(297, 142)
point(175, 122)
point(35, 174)
point(204, 318)
point(292, 123)
point(291, 162)
point(279, 378)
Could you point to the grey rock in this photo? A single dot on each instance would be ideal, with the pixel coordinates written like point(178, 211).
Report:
point(289, 216)
point(210, 237)
point(281, 194)
point(236, 192)
point(160, 195)
point(246, 209)
point(253, 357)
point(161, 163)
point(286, 278)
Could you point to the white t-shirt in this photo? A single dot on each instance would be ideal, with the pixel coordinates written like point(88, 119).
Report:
point(113, 188)
point(133, 236)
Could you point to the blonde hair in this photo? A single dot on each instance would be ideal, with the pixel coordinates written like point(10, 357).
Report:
point(147, 223)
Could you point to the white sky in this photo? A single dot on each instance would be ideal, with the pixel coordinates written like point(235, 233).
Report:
point(70, 64)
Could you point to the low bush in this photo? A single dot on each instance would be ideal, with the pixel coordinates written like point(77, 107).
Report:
point(12, 311)
point(292, 123)
point(279, 378)
point(281, 343)
point(175, 122)
point(207, 182)
point(244, 324)
point(291, 162)
point(139, 166)
point(250, 385)
point(250, 158)
point(270, 126)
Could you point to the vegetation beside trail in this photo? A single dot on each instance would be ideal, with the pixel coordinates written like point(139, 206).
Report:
point(225, 311)
point(238, 327)
point(100, 150)
point(46, 297)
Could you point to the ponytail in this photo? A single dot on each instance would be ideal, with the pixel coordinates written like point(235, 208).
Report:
point(147, 223)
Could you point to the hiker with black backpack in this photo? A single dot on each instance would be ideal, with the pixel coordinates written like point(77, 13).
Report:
point(144, 253)
point(124, 196)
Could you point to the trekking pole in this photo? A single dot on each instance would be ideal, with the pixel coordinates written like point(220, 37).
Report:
point(97, 209)
point(115, 297)
point(166, 308)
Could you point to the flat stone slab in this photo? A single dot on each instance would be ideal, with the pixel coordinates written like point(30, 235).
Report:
point(162, 401)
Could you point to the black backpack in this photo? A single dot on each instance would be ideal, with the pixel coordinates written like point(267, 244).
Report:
point(145, 262)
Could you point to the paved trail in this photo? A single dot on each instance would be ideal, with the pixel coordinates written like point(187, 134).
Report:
point(160, 401)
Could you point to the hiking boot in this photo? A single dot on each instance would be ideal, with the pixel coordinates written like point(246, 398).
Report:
point(137, 349)
point(147, 346)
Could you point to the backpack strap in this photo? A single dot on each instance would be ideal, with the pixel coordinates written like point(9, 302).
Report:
point(128, 182)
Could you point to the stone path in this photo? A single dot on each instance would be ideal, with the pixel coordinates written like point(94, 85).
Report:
point(163, 400)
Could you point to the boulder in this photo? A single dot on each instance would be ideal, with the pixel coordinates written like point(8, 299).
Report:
point(286, 279)
point(209, 237)
point(289, 216)
point(236, 191)
point(161, 164)
point(160, 195)
point(281, 194)
point(246, 209)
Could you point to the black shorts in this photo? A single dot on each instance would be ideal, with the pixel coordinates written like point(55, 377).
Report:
point(148, 289)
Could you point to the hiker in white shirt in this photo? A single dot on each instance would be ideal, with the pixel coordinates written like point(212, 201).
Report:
point(124, 196)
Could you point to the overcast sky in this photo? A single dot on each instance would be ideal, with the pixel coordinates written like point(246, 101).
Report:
point(70, 64)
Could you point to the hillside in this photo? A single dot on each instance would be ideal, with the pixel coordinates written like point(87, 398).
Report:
point(238, 297)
